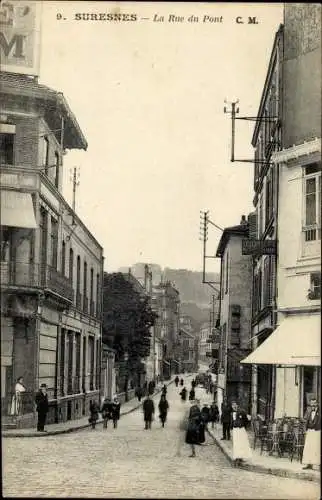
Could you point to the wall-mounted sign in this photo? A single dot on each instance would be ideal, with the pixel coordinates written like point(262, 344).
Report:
point(20, 36)
point(259, 247)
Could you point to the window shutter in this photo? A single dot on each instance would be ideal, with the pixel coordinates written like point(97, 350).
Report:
point(252, 221)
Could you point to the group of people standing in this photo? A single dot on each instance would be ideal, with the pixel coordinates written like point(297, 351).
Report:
point(149, 409)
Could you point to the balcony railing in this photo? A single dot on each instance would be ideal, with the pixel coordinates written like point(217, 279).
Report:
point(29, 274)
point(312, 233)
point(11, 406)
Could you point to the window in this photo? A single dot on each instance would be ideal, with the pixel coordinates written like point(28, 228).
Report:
point(269, 272)
point(56, 169)
point(78, 271)
point(54, 242)
point(98, 295)
point(6, 149)
point(92, 291)
point(312, 202)
point(71, 265)
point(43, 224)
point(63, 258)
point(315, 286)
point(260, 215)
point(269, 197)
point(45, 158)
point(85, 288)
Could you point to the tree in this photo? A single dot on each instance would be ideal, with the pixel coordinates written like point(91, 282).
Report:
point(127, 320)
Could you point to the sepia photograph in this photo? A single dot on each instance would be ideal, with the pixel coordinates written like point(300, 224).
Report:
point(160, 240)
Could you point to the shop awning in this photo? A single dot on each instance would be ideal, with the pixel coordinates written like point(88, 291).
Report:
point(166, 362)
point(297, 341)
point(17, 210)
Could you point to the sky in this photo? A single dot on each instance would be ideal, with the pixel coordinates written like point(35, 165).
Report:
point(149, 98)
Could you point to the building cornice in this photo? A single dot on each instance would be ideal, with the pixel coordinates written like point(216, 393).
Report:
point(296, 152)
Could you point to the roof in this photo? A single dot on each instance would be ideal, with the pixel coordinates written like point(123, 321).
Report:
point(24, 86)
point(240, 230)
point(185, 332)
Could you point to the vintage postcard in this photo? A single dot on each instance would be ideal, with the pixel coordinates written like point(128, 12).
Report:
point(160, 223)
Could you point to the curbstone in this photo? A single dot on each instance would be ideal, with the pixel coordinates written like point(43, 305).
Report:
point(77, 427)
point(266, 470)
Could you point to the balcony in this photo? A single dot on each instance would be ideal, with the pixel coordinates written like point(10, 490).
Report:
point(26, 275)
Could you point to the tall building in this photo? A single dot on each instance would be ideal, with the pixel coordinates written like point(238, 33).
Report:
point(166, 300)
point(234, 380)
point(293, 348)
point(51, 264)
point(263, 232)
point(299, 215)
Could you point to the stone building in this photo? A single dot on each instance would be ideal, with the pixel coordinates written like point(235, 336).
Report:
point(234, 381)
point(263, 230)
point(293, 349)
point(166, 303)
point(51, 265)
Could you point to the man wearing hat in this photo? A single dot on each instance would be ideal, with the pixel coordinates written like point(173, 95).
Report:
point(41, 401)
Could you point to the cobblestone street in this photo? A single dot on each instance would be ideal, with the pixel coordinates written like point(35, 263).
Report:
point(133, 462)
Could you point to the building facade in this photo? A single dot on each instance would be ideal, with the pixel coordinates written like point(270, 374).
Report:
point(266, 140)
point(51, 265)
point(293, 348)
point(205, 343)
point(299, 213)
point(166, 300)
point(234, 381)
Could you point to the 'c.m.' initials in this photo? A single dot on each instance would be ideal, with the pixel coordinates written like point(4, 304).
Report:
point(15, 46)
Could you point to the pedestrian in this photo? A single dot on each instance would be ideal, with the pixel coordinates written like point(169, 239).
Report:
point(226, 410)
point(192, 395)
point(106, 411)
point(138, 393)
point(195, 434)
point(148, 410)
point(94, 413)
point(164, 390)
point(176, 381)
point(16, 403)
point(213, 414)
point(183, 394)
point(163, 409)
point(193, 383)
point(42, 407)
point(115, 411)
point(181, 382)
point(239, 422)
point(311, 451)
point(205, 412)
point(150, 388)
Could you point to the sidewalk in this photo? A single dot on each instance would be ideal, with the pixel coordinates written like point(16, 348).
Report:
point(76, 425)
point(277, 466)
point(265, 464)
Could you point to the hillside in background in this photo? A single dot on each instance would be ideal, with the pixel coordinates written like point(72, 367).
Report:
point(194, 295)
point(190, 286)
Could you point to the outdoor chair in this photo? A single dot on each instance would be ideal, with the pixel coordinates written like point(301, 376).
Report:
point(298, 443)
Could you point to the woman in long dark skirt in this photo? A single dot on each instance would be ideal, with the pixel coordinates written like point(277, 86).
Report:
point(196, 431)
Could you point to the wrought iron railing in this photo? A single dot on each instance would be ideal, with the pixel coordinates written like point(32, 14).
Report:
point(16, 406)
point(29, 274)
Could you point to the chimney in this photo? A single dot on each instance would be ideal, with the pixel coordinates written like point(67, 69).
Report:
point(243, 221)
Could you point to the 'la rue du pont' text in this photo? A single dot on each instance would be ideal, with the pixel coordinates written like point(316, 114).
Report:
point(172, 18)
